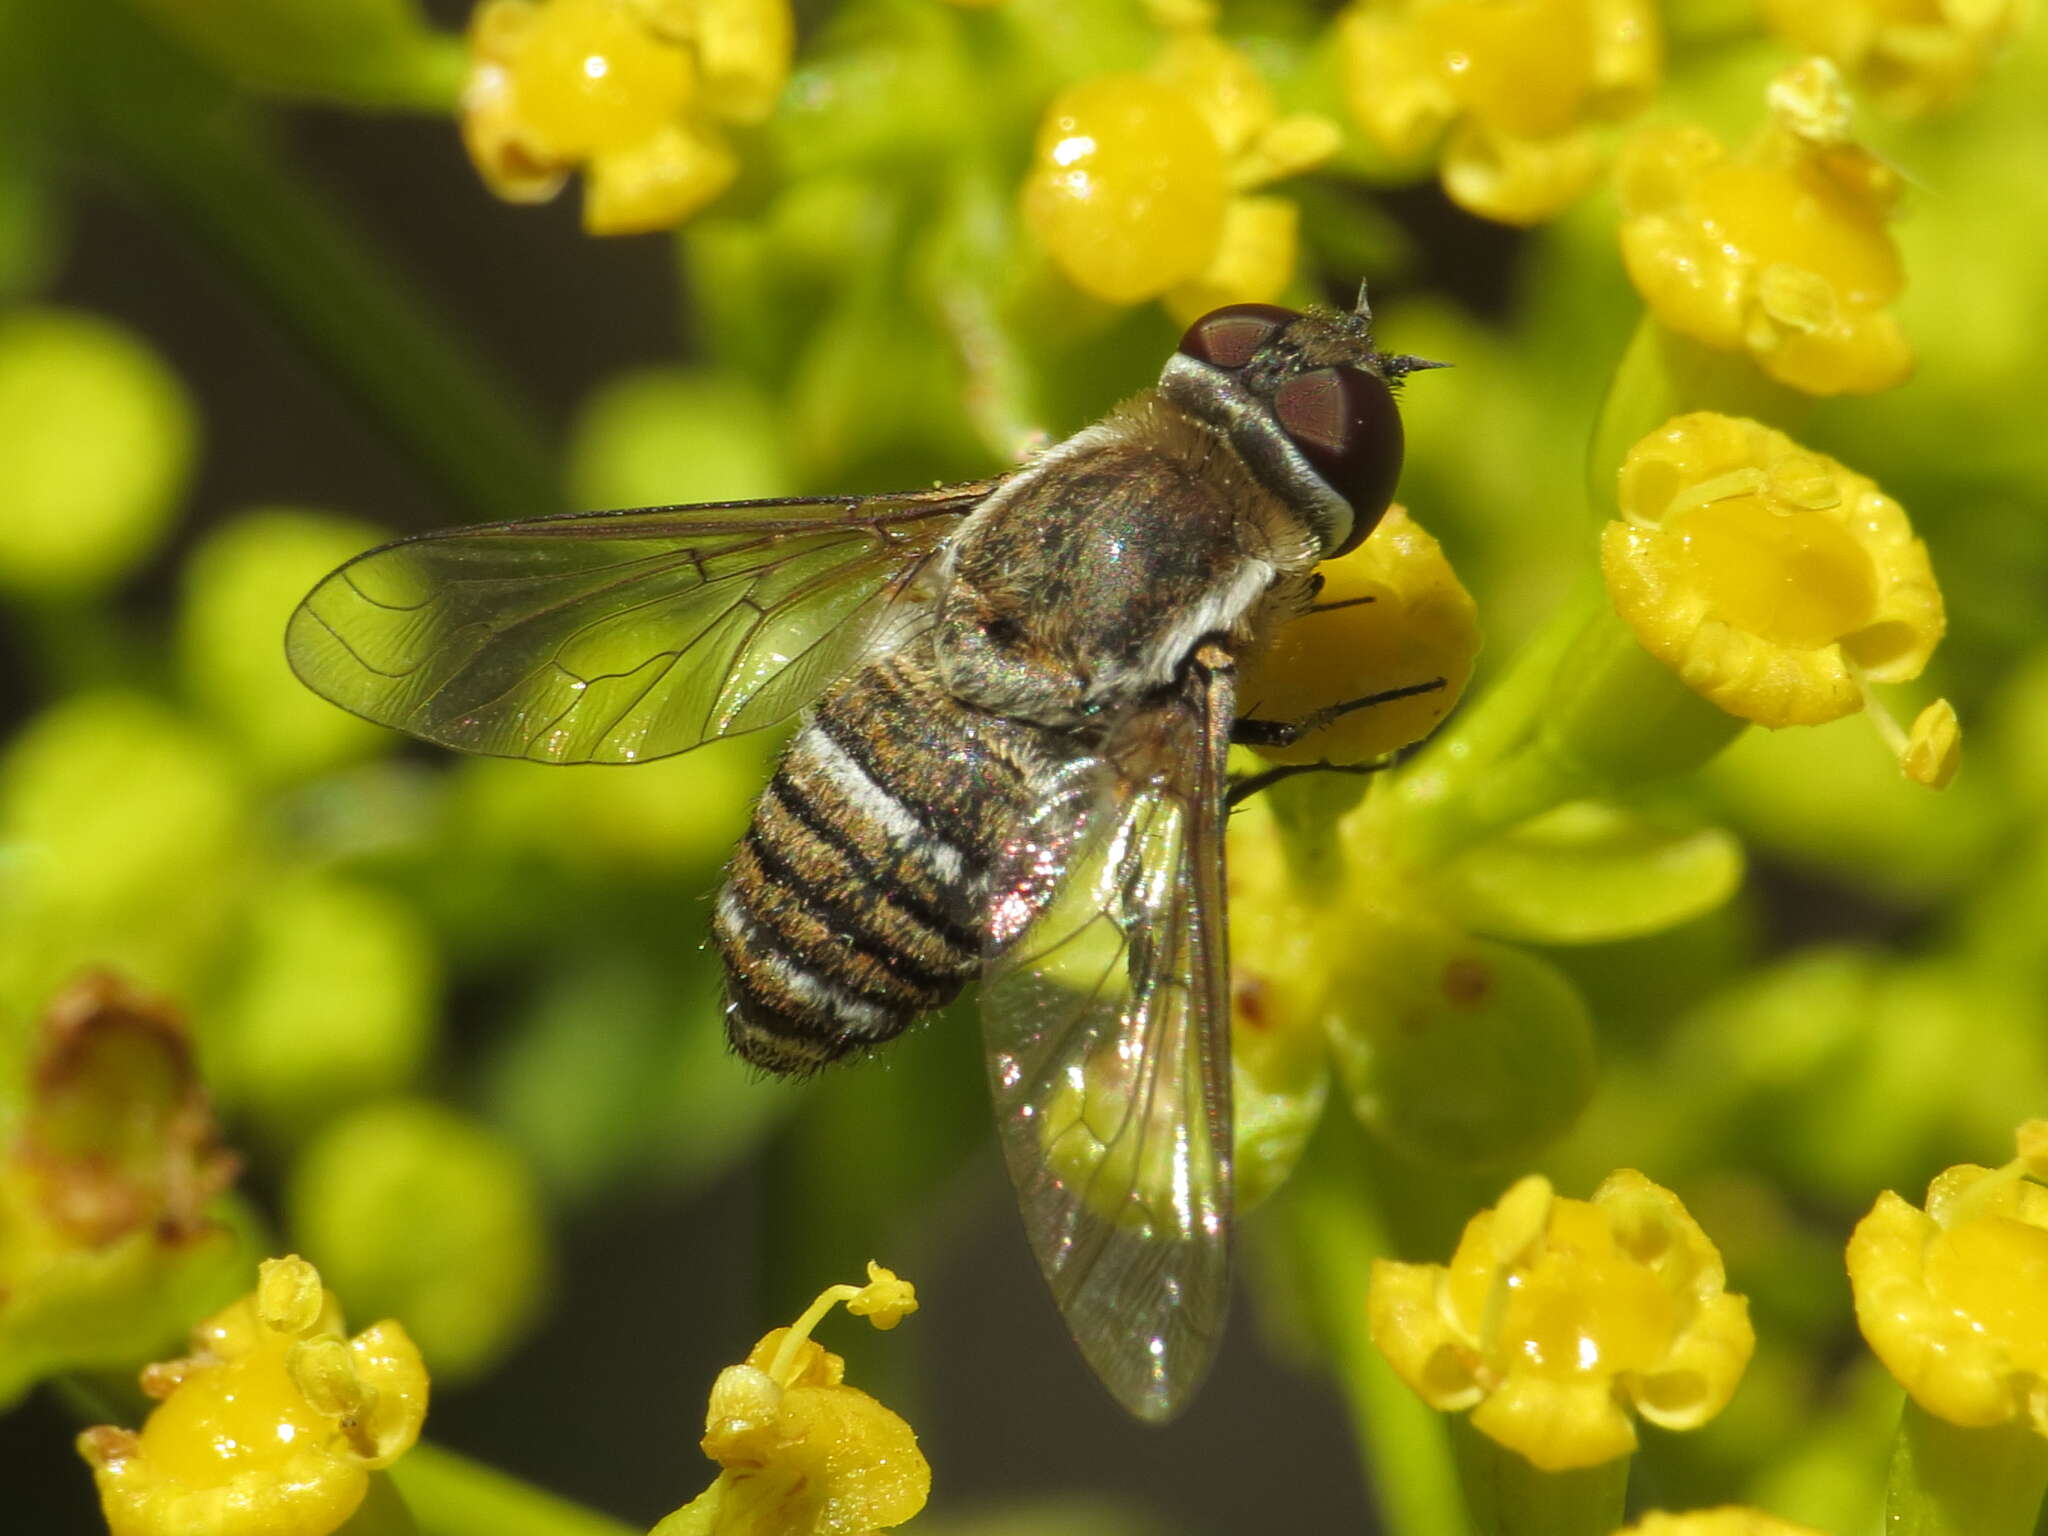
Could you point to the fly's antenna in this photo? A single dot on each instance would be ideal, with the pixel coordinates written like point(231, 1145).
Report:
point(1396, 365)
point(1363, 308)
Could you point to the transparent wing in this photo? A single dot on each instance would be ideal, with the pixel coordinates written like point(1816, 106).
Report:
point(1104, 1000)
point(614, 637)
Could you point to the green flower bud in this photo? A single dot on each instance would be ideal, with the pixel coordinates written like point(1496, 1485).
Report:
point(667, 435)
point(240, 587)
point(121, 829)
point(676, 813)
point(335, 1003)
point(1842, 1068)
point(416, 1211)
point(98, 438)
point(1457, 1050)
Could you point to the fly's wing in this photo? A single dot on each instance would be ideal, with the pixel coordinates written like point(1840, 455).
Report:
point(1105, 1004)
point(615, 637)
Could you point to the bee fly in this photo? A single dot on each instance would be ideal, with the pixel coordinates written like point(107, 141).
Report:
point(1016, 700)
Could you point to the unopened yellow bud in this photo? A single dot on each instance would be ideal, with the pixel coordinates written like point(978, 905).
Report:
point(633, 91)
point(1137, 185)
point(1253, 263)
point(288, 1294)
point(885, 1300)
point(1391, 613)
point(1934, 746)
point(1909, 59)
point(1520, 85)
point(1127, 188)
point(1726, 1521)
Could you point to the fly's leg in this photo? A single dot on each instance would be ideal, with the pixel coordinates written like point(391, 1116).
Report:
point(1245, 786)
point(1285, 733)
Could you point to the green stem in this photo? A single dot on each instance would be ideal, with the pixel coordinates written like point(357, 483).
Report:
point(450, 1495)
point(1509, 1497)
point(1950, 1481)
point(1662, 375)
point(1335, 1234)
point(192, 142)
point(1586, 711)
point(1481, 776)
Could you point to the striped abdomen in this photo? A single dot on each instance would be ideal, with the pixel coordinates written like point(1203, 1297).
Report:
point(855, 902)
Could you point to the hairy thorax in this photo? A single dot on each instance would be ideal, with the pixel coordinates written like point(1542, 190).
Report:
point(1087, 581)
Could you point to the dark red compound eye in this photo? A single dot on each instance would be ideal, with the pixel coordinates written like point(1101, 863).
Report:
point(1344, 422)
point(1227, 337)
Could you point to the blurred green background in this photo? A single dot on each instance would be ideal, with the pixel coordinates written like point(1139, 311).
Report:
point(458, 1015)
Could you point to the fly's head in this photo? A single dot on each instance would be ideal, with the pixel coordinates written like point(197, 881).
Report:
point(1307, 401)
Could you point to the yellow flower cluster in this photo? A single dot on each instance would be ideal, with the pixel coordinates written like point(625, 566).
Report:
point(1514, 90)
point(1774, 581)
point(802, 1453)
point(1782, 251)
point(1908, 58)
point(1141, 184)
point(271, 1427)
point(1390, 613)
point(1556, 1317)
point(1951, 1298)
point(633, 91)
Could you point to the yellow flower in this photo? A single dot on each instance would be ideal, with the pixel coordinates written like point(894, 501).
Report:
point(1140, 182)
point(1954, 1299)
point(1909, 59)
point(1726, 1521)
point(633, 91)
point(1408, 620)
point(1772, 580)
point(271, 1427)
point(1782, 251)
point(802, 1453)
point(1555, 1317)
point(1512, 88)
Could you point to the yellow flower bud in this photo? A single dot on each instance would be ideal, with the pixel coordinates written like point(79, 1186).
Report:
point(1136, 190)
point(802, 1453)
point(1782, 251)
point(1127, 188)
point(1253, 262)
point(633, 91)
point(1519, 84)
point(1954, 1298)
point(1772, 580)
point(1726, 1521)
point(1909, 59)
point(271, 1427)
point(1408, 620)
point(1557, 1317)
point(1934, 747)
